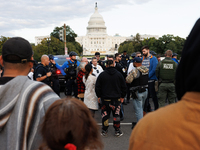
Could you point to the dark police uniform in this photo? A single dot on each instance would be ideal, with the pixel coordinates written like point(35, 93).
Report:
point(165, 72)
point(71, 74)
point(124, 60)
point(54, 79)
point(40, 71)
point(121, 68)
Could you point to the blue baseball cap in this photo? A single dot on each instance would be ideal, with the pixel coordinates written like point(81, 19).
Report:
point(137, 60)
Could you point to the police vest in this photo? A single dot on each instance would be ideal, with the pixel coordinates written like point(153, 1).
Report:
point(141, 81)
point(167, 70)
point(71, 70)
point(121, 68)
point(53, 70)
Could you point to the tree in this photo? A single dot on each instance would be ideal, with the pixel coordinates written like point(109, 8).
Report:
point(48, 46)
point(3, 39)
point(70, 34)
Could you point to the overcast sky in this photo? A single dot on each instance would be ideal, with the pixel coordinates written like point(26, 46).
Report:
point(30, 18)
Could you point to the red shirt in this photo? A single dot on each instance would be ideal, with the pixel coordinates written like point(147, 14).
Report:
point(81, 85)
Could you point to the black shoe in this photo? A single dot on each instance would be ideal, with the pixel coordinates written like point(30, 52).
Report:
point(118, 133)
point(128, 101)
point(104, 133)
point(133, 124)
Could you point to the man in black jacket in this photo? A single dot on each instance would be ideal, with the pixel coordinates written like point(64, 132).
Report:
point(111, 89)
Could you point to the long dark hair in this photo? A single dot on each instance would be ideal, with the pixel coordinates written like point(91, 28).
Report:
point(69, 121)
point(88, 69)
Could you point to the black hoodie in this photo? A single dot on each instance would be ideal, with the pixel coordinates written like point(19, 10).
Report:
point(110, 84)
point(188, 71)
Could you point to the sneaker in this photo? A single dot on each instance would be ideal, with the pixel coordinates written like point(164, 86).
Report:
point(118, 133)
point(104, 133)
point(133, 124)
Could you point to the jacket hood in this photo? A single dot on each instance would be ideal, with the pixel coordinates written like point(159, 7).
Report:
point(8, 100)
point(188, 72)
point(111, 70)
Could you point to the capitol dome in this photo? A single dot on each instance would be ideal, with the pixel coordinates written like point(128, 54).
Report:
point(96, 24)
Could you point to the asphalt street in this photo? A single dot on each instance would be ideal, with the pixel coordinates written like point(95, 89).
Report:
point(117, 143)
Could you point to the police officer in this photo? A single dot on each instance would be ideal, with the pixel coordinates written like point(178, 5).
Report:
point(54, 77)
point(122, 69)
point(99, 62)
point(133, 55)
point(125, 58)
point(165, 72)
point(70, 68)
point(174, 57)
point(42, 72)
point(138, 78)
point(119, 66)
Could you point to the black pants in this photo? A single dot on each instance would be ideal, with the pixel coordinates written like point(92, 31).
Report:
point(55, 85)
point(152, 92)
point(128, 91)
point(72, 85)
point(109, 105)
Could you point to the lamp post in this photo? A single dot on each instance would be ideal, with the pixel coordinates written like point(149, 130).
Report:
point(48, 41)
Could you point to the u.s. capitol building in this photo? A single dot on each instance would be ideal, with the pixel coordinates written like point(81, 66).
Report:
point(97, 38)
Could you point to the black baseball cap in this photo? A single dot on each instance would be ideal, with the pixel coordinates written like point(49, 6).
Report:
point(137, 60)
point(18, 47)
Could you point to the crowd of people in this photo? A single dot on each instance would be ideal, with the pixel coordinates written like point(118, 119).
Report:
point(33, 116)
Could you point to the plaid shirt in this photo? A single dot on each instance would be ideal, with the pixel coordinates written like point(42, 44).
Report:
point(81, 85)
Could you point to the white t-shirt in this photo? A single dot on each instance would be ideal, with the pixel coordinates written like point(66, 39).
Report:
point(97, 70)
point(30, 75)
point(131, 67)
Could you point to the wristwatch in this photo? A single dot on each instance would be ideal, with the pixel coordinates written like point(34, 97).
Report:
point(46, 76)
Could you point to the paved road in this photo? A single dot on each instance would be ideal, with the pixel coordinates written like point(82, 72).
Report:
point(117, 143)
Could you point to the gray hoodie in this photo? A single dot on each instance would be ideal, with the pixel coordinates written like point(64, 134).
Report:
point(23, 104)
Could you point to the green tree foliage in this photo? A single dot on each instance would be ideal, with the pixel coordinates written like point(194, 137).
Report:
point(56, 47)
point(169, 42)
point(70, 34)
point(48, 46)
point(3, 39)
point(166, 42)
point(70, 39)
point(131, 46)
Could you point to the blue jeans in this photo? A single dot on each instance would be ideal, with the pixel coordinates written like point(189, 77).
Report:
point(138, 104)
